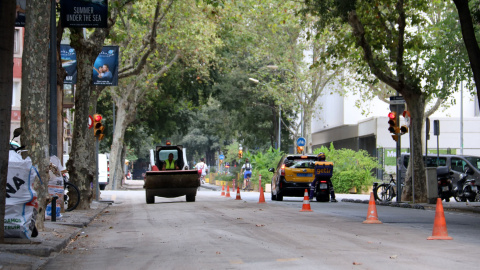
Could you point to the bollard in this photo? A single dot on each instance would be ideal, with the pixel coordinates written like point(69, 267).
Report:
point(54, 208)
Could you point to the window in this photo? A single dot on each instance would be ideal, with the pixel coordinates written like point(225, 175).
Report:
point(15, 93)
point(17, 41)
point(301, 163)
point(458, 165)
point(475, 161)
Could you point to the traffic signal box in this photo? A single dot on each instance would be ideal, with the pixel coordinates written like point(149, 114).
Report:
point(240, 153)
point(299, 149)
point(393, 125)
point(98, 127)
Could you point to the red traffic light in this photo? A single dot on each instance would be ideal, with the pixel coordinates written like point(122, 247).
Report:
point(97, 118)
point(392, 115)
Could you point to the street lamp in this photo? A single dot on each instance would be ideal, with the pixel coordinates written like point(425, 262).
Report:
point(279, 113)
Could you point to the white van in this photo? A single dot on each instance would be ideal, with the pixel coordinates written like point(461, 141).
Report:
point(103, 172)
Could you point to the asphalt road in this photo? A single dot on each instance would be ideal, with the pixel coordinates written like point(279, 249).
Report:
point(223, 233)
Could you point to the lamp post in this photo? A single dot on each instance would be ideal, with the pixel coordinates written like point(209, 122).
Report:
point(275, 67)
point(279, 114)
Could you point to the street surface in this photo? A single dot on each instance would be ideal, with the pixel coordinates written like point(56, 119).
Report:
point(223, 233)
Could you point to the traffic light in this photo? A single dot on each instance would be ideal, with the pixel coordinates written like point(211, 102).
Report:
point(98, 127)
point(240, 153)
point(404, 129)
point(299, 149)
point(392, 121)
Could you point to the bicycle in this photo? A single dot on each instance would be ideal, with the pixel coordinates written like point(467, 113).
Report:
point(385, 192)
point(71, 195)
point(247, 185)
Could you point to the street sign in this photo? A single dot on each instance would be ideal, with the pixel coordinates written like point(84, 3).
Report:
point(301, 141)
point(397, 100)
point(90, 122)
point(221, 157)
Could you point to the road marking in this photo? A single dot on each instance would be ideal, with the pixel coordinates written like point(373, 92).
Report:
point(236, 262)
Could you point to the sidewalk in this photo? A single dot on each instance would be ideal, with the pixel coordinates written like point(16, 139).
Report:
point(30, 254)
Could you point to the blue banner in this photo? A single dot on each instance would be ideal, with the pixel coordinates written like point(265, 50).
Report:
point(84, 13)
point(69, 63)
point(105, 68)
point(20, 8)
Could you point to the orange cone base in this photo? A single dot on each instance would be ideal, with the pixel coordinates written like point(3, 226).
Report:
point(223, 191)
point(372, 221)
point(228, 192)
point(440, 238)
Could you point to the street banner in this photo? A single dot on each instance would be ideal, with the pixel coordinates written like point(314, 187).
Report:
point(20, 13)
point(69, 63)
point(105, 68)
point(84, 13)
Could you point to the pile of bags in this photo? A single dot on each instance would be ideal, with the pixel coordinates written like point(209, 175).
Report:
point(21, 205)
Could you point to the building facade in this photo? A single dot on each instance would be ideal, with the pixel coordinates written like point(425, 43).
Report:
point(341, 122)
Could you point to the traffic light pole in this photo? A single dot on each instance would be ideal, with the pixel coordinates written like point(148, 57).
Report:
point(398, 171)
point(95, 181)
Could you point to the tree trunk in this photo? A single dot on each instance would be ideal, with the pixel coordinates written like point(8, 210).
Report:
point(307, 127)
point(122, 121)
point(34, 112)
point(416, 107)
point(7, 18)
point(468, 33)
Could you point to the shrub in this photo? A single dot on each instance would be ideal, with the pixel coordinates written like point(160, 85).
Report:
point(351, 168)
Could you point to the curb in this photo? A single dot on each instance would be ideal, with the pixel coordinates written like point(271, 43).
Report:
point(424, 206)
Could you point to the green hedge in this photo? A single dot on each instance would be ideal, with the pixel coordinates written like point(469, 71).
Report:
point(352, 169)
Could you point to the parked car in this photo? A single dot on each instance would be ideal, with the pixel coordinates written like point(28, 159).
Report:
point(293, 175)
point(457, 163)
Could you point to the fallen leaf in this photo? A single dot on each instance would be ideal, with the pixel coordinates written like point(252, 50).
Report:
point(393, 256)
point(357, 263)
point(259, 225)
point(218, 252)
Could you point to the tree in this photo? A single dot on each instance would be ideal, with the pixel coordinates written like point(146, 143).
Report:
point(34, 113)
point(81, 163)
point(469, 37)
point(171, 44)
point(131, 89)
point(381, 39)
point(7, 27)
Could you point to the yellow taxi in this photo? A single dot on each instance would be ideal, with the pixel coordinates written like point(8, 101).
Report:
point(292, 176)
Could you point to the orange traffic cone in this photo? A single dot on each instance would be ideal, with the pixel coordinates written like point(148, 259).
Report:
point(306, 203)
point(228, 192)
point(439, 225)
point(223, 190)
point(238, 194)
point(261, 199)
point(372, 217)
